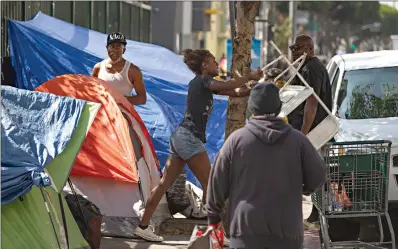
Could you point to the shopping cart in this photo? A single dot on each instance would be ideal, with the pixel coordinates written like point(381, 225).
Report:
point(356, 186)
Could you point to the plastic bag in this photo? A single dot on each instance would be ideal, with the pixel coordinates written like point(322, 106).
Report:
point(339, 197)
point(87, 215)
point(204, 237)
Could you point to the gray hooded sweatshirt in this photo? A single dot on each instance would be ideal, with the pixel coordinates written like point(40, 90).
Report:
point(264, 169)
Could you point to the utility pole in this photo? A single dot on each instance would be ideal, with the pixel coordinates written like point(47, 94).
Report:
point(292, 18)
point(265, 17)
point(263, 22)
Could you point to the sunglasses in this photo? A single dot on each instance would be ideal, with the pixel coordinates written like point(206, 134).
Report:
point(295, 47)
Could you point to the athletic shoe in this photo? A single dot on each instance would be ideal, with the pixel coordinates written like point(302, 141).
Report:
point(311, 225)
point(226, 242)
point(201, 212)
point(148, 234)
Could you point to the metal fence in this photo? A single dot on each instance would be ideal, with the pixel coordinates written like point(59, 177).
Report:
point(132, 18)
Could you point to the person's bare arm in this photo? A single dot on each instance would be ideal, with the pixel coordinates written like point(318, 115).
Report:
point(243, 91)
point(310, 108)
point(236, 93)
point(220, 86)
point(311, 104)
point(96, 70)
point(135, 77)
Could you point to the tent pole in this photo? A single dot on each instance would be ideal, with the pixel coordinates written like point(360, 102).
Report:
point(49, 215)
point(134, 135)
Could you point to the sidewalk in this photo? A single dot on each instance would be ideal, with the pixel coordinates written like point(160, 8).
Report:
point(171, 242)
point(311, 240)
point(311, 237)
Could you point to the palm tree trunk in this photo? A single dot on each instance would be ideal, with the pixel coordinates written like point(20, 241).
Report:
point(241, 58)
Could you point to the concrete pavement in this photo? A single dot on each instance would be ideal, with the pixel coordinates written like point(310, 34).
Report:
point(171, 242)
point(311, 240)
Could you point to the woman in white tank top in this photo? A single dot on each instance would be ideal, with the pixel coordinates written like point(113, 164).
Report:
point(120, 73)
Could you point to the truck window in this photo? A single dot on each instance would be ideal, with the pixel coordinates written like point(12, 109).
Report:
point(369, 93)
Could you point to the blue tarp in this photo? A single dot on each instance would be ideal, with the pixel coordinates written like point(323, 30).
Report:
point(35, 128)
point(46, 47)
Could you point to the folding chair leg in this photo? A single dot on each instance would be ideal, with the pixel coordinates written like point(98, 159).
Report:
point(302, 79)
point(294, 75)
point(302, 58)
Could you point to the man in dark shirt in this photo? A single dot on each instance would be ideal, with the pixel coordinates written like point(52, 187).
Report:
point(310, 114)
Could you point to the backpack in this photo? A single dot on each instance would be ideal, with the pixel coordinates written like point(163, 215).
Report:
point(87, 215)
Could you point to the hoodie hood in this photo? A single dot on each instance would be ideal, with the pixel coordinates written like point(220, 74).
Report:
point(268, 129)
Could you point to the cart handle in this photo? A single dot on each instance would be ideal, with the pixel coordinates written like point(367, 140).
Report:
point(361, 142)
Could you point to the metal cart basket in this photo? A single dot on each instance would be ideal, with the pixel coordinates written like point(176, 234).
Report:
point(357, 186)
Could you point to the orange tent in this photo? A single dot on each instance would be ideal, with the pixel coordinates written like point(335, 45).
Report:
point(107, 151)
point(116, 150)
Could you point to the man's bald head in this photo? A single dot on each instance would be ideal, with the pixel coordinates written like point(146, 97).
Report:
point(304, 39)
point(302, 44)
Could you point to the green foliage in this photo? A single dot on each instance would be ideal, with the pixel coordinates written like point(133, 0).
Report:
point(314, 6)
point(283, 7)
point(355, 13)
point(364, 105)
point(387, 10)
point(389, 20)
point(282, 35)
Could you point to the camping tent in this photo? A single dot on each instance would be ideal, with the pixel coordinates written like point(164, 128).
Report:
point(46, 47)
point(41, 135)
point(117, 144)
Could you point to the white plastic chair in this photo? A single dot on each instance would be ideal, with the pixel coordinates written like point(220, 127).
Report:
point(292, 96)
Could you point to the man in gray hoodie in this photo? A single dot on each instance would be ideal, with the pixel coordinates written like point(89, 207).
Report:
point(264, 169)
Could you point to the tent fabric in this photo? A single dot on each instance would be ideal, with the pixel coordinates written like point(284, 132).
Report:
point(107, 151)
point(67, 158)
point(46, 47)
point(26, 222)
point(35, 128)
point(106, 168)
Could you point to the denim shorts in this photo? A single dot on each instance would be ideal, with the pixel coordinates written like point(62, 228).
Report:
point(184, 144)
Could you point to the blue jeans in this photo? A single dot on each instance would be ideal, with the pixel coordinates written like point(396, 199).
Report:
point(184, 144)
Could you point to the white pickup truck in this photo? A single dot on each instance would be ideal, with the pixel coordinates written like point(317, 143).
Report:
point(365, 99)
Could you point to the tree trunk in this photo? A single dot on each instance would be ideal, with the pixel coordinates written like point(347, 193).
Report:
point(241, 59)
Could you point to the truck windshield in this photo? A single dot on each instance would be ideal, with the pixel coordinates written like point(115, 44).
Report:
point(369, 93)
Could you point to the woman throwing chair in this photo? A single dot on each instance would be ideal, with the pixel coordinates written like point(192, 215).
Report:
point(187, 141)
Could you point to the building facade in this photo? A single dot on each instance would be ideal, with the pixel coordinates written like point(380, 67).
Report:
point(132, 18)
point(220, 29)
point(178, 25)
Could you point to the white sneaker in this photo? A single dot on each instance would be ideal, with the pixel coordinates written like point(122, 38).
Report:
point(148, 234)
point(201, 212)
point(226, 242)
